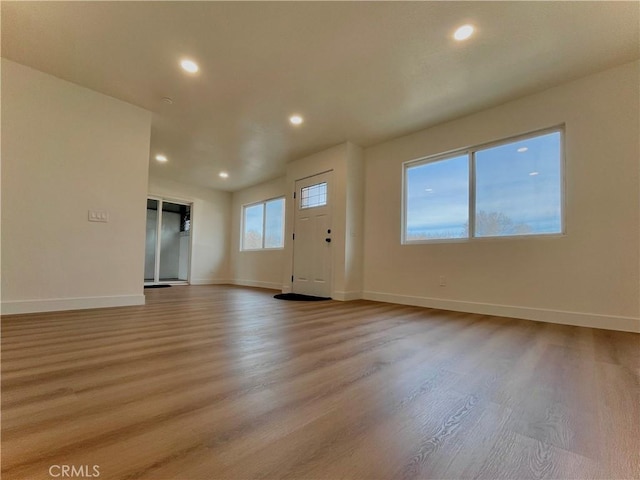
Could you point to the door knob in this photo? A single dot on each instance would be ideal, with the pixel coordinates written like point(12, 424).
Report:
point(328, 240)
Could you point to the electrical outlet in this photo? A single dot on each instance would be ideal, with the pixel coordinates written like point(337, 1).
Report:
point(442, 281)
point(98, 216)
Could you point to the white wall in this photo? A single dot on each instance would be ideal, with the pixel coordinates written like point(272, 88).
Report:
point(354, 241)
point(210, 220)
point(589, 277)
point(65, 150)
point(262, 268)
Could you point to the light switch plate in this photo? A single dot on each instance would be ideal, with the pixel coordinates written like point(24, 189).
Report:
point(98, 216)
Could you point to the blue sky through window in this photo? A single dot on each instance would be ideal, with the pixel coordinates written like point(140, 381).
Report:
point(438, 199)
point(274, 224)
point(518, 192)
point(520, 182)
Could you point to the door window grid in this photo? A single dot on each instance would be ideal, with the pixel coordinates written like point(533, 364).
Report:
point(313, 195)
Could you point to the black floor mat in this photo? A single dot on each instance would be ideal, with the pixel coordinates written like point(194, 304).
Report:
point(298, 297)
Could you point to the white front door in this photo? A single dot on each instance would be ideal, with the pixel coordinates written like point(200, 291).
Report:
point(312, 236)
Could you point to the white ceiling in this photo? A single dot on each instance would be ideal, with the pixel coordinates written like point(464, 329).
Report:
point(359, 71)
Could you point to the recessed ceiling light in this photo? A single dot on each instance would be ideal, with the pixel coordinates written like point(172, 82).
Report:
point(533, 174)
point(296, 119)
point(522, 149)
point(189, 65)
point(161, 158)
point(463, 32)
point(223, 175)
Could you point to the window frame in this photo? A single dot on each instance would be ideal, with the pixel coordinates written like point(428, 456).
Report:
point(264, 221)
point(471, 151)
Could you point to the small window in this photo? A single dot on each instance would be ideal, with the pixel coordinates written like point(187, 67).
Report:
point(313, 195)
point(263, 225)
point(511, 188)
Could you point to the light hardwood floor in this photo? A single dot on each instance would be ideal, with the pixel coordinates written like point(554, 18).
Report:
point(216, 382)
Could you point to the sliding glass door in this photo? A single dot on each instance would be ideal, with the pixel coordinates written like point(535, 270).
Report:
point(168, 242)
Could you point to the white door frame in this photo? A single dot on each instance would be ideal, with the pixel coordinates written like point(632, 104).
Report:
point(156, 269)
point(296, 203)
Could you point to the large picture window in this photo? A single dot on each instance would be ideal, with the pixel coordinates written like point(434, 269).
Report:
point(263, 225)
point(507, 189)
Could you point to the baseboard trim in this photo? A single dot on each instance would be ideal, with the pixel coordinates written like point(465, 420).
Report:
point(210, 281)
point(60, 304)
point(255, 283)
point(579, 319)
point(347, 296)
